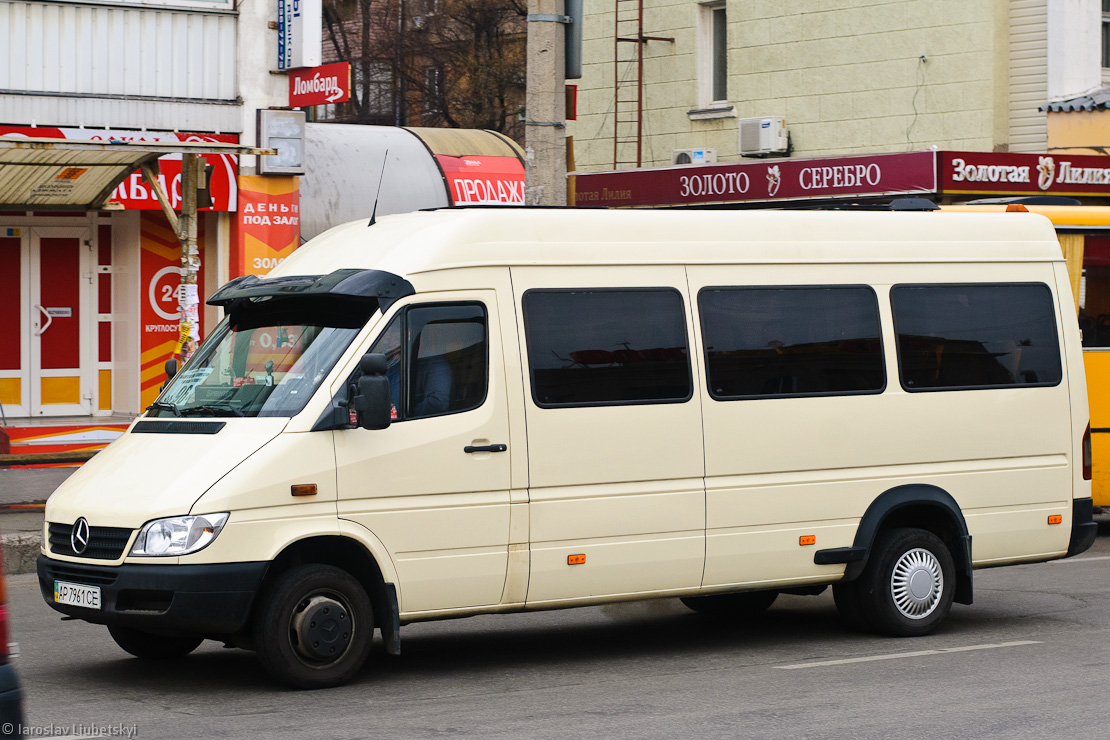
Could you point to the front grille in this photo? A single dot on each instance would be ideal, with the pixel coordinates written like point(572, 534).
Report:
point(97, 576)
point(105, 543)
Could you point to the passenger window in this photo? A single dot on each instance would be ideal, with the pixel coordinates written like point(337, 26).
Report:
point(444, 367)
point(791, 341)
point(607, 347)
point(975, 336)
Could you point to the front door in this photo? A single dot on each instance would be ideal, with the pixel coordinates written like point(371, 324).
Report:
point(434, 486)
point(46, 282)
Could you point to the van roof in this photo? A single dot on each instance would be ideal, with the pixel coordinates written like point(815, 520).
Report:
point(412, 243)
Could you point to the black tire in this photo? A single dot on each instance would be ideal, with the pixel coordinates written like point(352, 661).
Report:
point(313, 627)
point(150, 646)
point(735, 606)
point(907, 587)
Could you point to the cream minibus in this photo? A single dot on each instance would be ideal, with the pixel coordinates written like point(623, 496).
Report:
point(467, 411)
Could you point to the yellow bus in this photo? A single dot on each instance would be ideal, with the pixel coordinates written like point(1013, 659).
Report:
point(1084, 234)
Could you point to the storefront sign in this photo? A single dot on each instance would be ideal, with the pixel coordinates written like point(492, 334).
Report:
point(133, 192)
point(1024, 174)
point(161, 299)
point(268, 225)
point(330, 83)
point(771, 179)
point(300, 38)
point(484, 179)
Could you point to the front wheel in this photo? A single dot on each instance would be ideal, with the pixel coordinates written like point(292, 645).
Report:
point(150, 646)
point(907, 588)
point(313, 627)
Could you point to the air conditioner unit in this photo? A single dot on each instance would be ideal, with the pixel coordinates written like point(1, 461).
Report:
point(762, 136)
point(693, 156)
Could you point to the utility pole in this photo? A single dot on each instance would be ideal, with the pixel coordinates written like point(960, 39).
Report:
point(545, 141)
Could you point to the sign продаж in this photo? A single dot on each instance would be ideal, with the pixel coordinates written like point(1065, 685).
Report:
point(483, 179)
point(330, 83)
point(767, 180)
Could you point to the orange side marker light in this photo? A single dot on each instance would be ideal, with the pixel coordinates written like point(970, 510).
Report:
point(1055, 519)
point(303, 489)
point(576, 559)
point(809, 539)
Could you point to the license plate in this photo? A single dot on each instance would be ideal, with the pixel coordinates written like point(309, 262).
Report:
point(77, 595)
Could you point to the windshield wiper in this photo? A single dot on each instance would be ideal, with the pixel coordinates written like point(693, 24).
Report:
point(164, 406)
point(211, 409)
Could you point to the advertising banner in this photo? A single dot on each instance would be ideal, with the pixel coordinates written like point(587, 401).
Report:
point(330, 83)
point(766, 180)
point(483, 179)
point(133, 192)
point(267, 227)
point(160, 282)
point(1024, 174)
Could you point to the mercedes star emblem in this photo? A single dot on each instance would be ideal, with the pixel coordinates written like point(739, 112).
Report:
point(79, 539)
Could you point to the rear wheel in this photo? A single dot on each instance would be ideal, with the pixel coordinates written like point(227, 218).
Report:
point(151, 646)
point(314, 626)
point(741, 606)
point(907, 587)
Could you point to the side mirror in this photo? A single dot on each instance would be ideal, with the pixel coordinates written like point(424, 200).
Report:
point(171, 368)
point(371, 401)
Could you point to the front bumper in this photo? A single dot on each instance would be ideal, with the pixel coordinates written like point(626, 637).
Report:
point(1083, 527)
point(204, 600)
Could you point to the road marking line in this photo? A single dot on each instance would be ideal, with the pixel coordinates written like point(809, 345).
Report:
point(915, 654)
point(1081, 560)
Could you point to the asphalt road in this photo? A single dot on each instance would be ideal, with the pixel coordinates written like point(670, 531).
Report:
point(1030, 659)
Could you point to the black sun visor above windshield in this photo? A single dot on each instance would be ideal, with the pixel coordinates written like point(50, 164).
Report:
point(370, 286)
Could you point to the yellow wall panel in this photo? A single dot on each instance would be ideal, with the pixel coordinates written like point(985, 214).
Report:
point(105, 390)
point(10, 391)
point(61, 390)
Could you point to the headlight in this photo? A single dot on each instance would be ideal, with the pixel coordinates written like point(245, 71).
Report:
point(178, 535)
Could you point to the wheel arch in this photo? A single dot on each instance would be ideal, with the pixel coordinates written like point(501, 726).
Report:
point(353, 556)
point(920, 506)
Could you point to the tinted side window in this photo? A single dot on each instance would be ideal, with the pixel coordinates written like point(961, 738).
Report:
point(787, 341)
point(975, 336)
point(595, 347)
point(444, 367)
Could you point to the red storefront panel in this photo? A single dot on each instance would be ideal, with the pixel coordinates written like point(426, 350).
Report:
point(11, 300)
point(59, 291)
point(766, 180)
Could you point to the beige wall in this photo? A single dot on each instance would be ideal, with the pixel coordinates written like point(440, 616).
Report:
point(845, 74)
point(1080, 132)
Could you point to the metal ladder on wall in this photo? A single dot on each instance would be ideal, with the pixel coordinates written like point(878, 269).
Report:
point(628, 93)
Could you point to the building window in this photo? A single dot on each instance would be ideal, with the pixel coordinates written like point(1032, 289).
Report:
point(607, 347)
point(713, 55)
point(1106, 34)
point(791, 341)
point(975, 336)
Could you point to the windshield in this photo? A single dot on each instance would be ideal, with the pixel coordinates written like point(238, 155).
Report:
point(261, 362)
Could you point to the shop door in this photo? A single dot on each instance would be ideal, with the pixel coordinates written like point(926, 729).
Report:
point(61, 342)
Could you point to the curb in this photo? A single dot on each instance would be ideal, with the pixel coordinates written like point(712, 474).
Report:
point(20, 552)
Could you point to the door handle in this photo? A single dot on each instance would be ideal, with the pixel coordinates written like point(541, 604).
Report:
point(485, 448)
point(49, 320)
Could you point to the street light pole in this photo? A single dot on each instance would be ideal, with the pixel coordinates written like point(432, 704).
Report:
point(545, 141)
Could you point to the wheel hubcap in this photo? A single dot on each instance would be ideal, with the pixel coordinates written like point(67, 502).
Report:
point(917, 583)
point(321, 629)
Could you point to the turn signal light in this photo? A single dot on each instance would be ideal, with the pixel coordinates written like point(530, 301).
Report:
point(808, 539)
point(576, 559)
point(1055, 519)
point(303, 489)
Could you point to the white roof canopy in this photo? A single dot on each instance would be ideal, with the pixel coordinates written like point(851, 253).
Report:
point(44, 174)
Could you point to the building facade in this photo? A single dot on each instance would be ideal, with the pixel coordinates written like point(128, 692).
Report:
point(844, 76)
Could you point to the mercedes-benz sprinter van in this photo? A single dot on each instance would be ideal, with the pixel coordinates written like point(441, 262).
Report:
point(468, 411)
